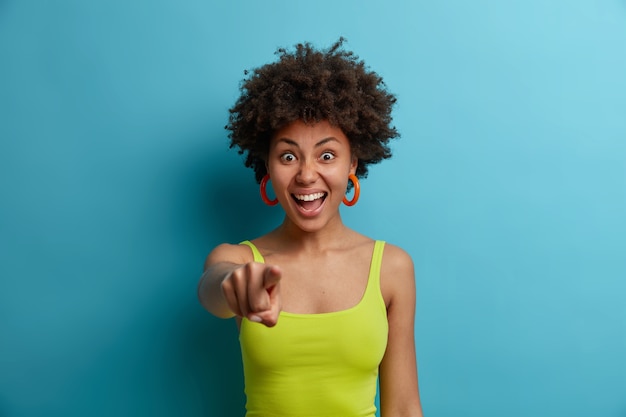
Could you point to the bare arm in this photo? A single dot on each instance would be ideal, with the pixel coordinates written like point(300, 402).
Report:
point(233, 285)
point(399, 392)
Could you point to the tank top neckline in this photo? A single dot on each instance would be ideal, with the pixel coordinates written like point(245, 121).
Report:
point(374, 270)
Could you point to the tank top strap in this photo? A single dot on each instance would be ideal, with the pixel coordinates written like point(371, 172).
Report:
point(255, 252)
point(373, 284)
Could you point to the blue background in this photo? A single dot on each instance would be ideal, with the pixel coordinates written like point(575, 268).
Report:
point(508, 188)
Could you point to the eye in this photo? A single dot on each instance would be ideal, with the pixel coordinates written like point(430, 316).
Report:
point(327, 156)
point(287, 157)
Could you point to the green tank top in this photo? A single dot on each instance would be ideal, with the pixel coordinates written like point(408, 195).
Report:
point(317, 365)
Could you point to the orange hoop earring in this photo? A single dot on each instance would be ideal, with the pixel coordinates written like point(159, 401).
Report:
point(266, 200)
point(357, 191)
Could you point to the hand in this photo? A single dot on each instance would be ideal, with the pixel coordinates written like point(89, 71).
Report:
point(253, 291)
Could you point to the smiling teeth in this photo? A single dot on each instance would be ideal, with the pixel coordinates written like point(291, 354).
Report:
point(309, 197)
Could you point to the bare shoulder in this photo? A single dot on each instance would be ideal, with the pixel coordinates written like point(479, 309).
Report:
point(397, 274)
point(225, 252)
point(396, 261)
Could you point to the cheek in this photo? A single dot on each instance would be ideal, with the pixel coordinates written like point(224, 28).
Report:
point(279, 177)
point(339, 178)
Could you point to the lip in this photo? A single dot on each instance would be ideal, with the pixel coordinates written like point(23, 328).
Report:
point(309, 213)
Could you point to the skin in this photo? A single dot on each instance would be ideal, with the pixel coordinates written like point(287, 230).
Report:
point(309, 250)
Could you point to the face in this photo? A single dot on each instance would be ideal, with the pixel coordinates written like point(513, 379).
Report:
point(309, 165)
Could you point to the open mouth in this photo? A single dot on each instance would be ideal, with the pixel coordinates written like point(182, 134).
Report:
point(309, 202)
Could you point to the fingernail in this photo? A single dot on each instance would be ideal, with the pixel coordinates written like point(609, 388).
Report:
point(256, 319)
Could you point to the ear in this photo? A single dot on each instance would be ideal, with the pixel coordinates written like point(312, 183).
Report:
point(354, 164)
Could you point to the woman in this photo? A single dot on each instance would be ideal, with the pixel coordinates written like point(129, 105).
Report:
point(322, 310)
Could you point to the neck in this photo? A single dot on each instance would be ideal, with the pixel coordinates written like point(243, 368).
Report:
point(331, 235)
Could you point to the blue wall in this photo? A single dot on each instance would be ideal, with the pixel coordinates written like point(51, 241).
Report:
point(508, 188)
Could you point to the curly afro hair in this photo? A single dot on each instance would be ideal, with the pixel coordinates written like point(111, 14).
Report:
point(313, 85)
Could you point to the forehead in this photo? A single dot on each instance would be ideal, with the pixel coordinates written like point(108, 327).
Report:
point(308, 134)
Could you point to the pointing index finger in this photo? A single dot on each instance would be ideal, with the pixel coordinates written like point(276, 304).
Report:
point(271, 276)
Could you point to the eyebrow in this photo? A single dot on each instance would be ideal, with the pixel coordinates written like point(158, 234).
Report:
point(317, 145)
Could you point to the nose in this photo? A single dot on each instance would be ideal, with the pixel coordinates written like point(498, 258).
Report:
point(307, 173)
